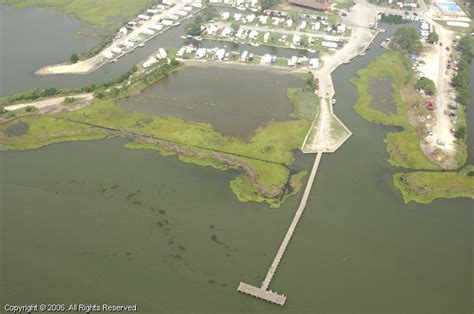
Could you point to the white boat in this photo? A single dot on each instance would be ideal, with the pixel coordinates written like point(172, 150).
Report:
point(311, 50)
point(141, 45)
point(254, 44)
point(333, 101)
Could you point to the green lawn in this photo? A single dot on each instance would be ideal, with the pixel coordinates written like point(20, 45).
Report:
point(104, 13)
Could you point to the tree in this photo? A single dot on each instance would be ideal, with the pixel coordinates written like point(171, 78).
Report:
point(460, 133)
point(426, 84)
point(235, 26)
point(194, 29)
point(50, 92)
point(304, 41)
point(407, 39)
point(210, 13)
point(266, 4)
point(174, 62)
point(294, 15)
point(433, 38)
point(74, 58)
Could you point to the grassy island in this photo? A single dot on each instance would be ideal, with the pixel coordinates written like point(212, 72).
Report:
point(264, 162)
point(404, 146)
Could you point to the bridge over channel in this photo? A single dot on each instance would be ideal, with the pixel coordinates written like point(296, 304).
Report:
point(262, 292)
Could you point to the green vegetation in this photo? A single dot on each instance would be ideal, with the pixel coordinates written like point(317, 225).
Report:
point(194, 29)
point(108, 14)
point(266, 4)
point(462, 79)
point(392, 19)
point(235, 26)
point(432, 37)
point(74, 58)
point(424, 187)
point(403, 147)
point(306, 103)
point(407, 39)
point(425, 84)
point(265, 160)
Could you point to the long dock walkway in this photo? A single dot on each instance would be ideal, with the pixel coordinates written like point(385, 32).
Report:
point(263, 292)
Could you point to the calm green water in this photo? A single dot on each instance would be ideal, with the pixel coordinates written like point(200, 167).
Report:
point(92, 222)
point(246, 99)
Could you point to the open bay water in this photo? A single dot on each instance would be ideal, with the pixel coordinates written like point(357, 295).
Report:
point(93, 222)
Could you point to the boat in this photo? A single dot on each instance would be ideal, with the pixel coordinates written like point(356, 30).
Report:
point(311, 50)
point(362, 54)
point(333, 101)
point(346, 62)
point(254, 44)
point(184, 37)
point(141, 45)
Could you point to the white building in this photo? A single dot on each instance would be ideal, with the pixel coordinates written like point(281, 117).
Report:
point(200, 53)
point(266, 59)
point(116, 50)
point(332, 38)
point(143, 17)
point(157, 27)
point(341, 28)
point(226, 32)
point(296, 39)
point(212, 29)
point(167, 22)
point(303, 25)
point(292, 61)
point(329, 44)
point(289, 22)
point(244, 55)
point(313, 63)
point(263, 19)
point(123, 31)
point(152, 11)
point(162, 53)
point(220, 53)
point(250, 18)
point(107, 54)
point(225, 15)
point(253, 34)
point(237, 16)
point(266, 36)
point(149, 62)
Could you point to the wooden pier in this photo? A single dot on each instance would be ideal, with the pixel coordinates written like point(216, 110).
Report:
point(263, 292)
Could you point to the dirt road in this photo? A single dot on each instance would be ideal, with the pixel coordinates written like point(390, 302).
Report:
point(361, 15)
point(48, 102)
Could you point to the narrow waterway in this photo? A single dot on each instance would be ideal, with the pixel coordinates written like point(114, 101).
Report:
point(35, 33)
point(92, 222)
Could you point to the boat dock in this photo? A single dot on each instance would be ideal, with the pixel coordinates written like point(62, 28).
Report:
point(263, 292)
